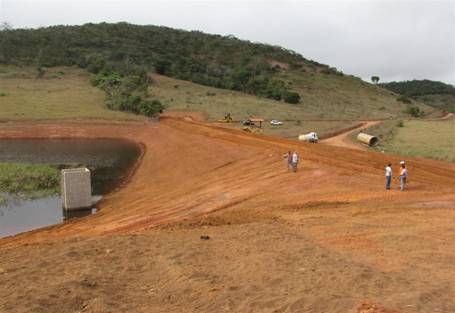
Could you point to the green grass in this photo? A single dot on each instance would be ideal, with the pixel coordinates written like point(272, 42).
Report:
point(66, 93)
point(323, 97)
point(428, 139)
point(385, 132)
point(63, 93)
point(345, 97)
point(178, 95)
point(29, 180)
point(417, 138)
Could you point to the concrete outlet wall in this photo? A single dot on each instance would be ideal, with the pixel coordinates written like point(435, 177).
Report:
point(76, 188)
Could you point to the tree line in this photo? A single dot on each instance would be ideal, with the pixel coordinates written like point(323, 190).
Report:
point(415, 88)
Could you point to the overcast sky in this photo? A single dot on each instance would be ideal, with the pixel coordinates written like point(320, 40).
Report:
point(396, 40)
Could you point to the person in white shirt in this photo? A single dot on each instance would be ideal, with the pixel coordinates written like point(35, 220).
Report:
point(388, 176)
point(403, 175)
point(288, 159)
point(295, 161)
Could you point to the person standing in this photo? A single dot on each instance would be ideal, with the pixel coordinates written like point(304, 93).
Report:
point(295, 161)
point(288, 159)
point(403, 175)
point(388, 176)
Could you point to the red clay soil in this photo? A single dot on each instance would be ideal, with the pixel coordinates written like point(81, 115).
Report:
point(323, 239)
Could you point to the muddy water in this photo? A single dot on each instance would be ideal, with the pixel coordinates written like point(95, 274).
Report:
point(109, 161)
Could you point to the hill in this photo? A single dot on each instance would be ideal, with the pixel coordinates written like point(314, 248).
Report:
point(63, 93)
point(432, 93)
point(120, 56)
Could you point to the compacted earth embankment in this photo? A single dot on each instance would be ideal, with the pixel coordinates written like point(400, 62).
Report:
point(328, 238)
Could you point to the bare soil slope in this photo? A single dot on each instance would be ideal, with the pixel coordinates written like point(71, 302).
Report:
point(326, 239)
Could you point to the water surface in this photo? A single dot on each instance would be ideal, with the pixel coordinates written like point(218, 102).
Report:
point(109, 160)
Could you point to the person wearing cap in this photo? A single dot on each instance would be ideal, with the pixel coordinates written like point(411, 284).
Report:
point(403, 175)
point(388, 176)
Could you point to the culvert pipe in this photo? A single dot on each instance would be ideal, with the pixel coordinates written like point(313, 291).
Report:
point(370, 140)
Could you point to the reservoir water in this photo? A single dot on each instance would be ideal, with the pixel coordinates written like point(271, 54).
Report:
point(109, 160)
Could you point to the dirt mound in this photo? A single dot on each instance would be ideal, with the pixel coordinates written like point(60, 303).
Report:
point(319, 240)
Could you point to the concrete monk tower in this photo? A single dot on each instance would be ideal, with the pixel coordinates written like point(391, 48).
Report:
point(76, 189)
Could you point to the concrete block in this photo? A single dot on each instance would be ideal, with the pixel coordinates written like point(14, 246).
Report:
point(76, 188)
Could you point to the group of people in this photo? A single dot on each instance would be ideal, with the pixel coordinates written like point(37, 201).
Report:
point(292, 161)
point(403, 175)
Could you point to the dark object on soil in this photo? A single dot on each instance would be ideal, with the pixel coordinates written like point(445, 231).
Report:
point(205, 237)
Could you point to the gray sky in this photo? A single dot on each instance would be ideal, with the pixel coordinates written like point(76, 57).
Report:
point(396, 40)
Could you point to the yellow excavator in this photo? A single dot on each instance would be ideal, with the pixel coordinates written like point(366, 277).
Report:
point(227, 118)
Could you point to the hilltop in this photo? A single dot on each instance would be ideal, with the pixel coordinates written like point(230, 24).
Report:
point(432, 93)
point(121, 56)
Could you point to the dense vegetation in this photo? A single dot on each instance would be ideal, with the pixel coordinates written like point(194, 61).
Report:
point(29, 180)
point(121, 55)
point(415, 88)
point(433, 93)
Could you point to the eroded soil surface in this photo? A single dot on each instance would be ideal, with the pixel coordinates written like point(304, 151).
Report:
point(325, 239)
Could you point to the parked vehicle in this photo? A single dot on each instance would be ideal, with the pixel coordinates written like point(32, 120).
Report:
point(248, 123)
point(276, 122)
point(310, 137)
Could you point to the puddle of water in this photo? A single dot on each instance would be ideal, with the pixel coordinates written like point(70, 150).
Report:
point(109, 161)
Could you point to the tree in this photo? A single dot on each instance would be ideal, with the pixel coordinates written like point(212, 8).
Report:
point(375, 79)
point(6, 26)
point(415, 111)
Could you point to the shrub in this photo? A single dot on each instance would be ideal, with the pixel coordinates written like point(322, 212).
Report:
point(292, 97)
point(150, 107)
point(400, 123)
point(414, 111)
point(404, 99)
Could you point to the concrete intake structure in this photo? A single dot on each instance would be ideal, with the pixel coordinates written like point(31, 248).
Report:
point(76, 189)
point(368, 139)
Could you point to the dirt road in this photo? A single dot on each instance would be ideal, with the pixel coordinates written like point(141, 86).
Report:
point(343, 140)
point(446, 116)
point(326, 239)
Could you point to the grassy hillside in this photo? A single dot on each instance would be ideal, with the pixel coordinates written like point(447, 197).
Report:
point(120, 56)
point(433, 139)
point(63, 93)
point(66, 93)
point(329, 97)
point(432, 93)
point(444, 102)
point(428, 139)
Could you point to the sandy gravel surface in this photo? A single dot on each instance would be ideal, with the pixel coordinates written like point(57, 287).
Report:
point(326, 239)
